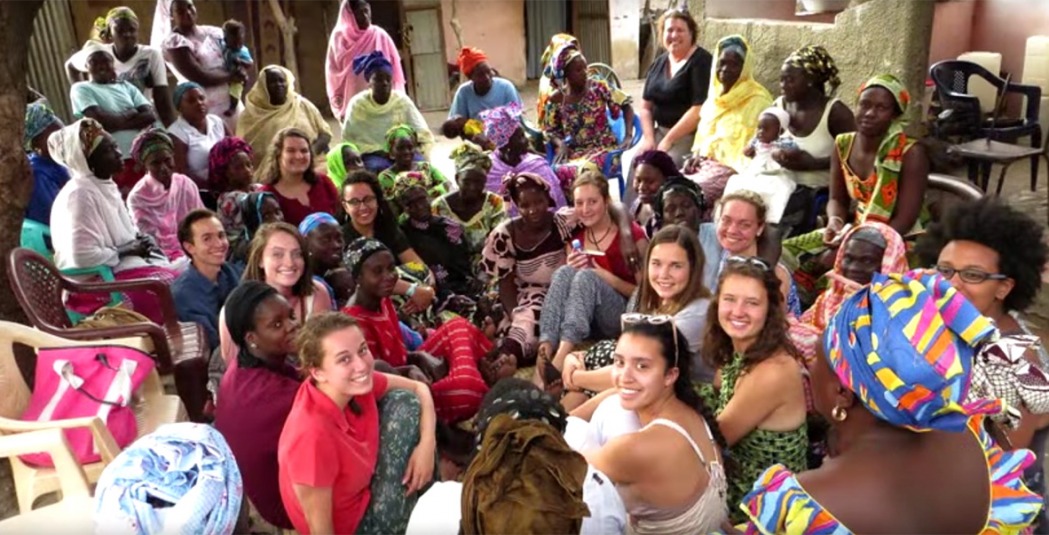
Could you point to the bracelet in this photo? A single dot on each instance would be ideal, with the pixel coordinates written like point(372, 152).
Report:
point(411, 290)
point(833, 217)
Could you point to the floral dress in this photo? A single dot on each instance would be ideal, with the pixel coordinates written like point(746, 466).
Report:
point(394, 183)
point(585, 128)
point(477, 228)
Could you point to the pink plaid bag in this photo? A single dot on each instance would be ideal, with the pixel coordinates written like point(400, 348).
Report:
point(79, 381)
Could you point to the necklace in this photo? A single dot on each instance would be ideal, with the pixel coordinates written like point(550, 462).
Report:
point(597, 242)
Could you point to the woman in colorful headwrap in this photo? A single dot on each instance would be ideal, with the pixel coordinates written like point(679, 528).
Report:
point(547, 82)
point(867, 249)
point(324, 246)
point(995, 255)
point(355, 35)
point(879, 168)
point(163, 197)
point(651, 169)
point(195, 54)
point(48, 175)
point(758, 391)
point(808, 81)
point(117, 105)
point(578, 123)
point(194, 133)
point(459, 344)
point(257, 390)
point(231, 177)
point(141, 65)
point(502, 126)
point(342, 160)
point(402, 147)
point(727, 120)
point(90, 226)
point(288, 173)
point(484, 91)
point(371, 114)
point(274, 104)
point(476, 210)
point(892, 380)
point(679, 201)
point(522, 254)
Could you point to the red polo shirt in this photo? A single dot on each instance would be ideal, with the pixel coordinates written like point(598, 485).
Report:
point(322, 446)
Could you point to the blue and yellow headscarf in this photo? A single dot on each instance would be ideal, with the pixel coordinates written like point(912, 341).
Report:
point(905, 346)
point(315, 220)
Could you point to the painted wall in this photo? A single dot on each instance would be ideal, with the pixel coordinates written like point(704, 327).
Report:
point(761, 9)
point(952, 30)
point(495, 26)
point(625, 29)
point(873, 36)
point(1004, 25)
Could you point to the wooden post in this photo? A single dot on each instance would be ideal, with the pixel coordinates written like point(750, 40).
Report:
point(287, 31)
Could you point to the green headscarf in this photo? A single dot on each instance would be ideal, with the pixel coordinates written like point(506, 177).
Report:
point(469, 156)
point(100, 28)
point(336, 166)
point(400, 131)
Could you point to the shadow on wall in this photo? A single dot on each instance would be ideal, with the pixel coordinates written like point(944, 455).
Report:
point(871, 37)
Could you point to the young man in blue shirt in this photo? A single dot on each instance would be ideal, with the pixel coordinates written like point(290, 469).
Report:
point(201, 290)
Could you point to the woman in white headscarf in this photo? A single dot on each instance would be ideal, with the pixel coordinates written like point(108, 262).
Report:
point(90, 225)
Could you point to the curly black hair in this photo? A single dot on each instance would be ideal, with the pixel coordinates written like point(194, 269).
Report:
point(1015, 236)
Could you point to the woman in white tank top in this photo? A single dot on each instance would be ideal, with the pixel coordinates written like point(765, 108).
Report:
point(807, 79)
point(669, 474)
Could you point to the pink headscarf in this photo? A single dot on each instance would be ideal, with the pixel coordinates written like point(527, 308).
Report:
point(347, 42)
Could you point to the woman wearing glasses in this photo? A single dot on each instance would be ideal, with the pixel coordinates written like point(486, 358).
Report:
point(995, 255)
point(757, 394)
point(370, 216)
point(670, 473)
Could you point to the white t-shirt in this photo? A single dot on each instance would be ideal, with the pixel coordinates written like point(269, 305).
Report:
point(145, 69)
point(199, 144)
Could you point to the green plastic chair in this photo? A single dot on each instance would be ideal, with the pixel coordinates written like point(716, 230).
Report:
point(36, 236)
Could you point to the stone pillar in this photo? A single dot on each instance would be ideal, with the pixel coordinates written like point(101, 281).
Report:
point(624, 27)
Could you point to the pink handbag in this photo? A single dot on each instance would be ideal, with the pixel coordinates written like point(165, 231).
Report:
point(79, 381)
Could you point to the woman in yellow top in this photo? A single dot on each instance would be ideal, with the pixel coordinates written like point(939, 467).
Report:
point(272, 105)
point(727, 119)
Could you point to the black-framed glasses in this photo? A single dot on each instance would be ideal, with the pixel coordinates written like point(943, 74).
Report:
point(354, 203)
point(751, 260)
point(970, 275)
point(635, 318)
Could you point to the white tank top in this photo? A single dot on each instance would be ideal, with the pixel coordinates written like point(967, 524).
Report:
point(819, 143)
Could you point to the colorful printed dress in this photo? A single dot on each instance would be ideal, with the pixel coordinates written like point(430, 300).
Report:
point(477, 228)
point(779, 504)
point(585, 128)
point(532, 270)
point(758, 450)
point(422, 174)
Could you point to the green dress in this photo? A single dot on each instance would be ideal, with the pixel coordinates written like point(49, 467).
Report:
point(757, 451)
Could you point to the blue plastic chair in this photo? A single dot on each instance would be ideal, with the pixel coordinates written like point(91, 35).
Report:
point(36, 236)
point(613, 166)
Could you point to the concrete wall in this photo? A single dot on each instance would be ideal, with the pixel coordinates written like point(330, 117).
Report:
point(495, 26)
point(871, 37)
point(624, 27)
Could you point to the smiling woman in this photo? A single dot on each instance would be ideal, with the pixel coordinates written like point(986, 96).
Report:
point(288, 173)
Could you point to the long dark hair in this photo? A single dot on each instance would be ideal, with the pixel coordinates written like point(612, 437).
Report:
point(717, 344)
point(271, 164)
point(682, 360)
point(385, 221)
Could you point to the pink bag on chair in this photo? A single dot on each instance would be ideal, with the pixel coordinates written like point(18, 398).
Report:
point(79, 381)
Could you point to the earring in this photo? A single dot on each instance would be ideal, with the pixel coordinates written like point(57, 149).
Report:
point(253, 345)
point(838, 413)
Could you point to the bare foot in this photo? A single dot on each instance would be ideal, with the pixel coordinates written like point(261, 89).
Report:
point(496, 369)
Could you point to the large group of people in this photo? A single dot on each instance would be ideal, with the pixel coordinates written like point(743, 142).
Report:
point(713, 353)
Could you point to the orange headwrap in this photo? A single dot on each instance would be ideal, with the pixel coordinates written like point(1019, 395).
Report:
point(469, 58)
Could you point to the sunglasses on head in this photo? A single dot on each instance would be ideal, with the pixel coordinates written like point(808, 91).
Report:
point(636, 318)
point(749, 260)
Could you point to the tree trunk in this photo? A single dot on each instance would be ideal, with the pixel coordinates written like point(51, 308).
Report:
point(16, 180)
point(287, 31)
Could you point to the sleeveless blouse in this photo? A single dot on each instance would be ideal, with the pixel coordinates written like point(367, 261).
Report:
point(819, 144)
point(779, 504)
point(705, 515)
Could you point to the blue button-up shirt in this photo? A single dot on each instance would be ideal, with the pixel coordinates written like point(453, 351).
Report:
point(199, 300)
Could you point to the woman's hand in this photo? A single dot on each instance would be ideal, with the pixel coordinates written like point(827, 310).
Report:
point(646, 143)
point(579, 260)
point(749, 151)
point(794, 159)
point(573, 363)
point(419, 471)
point(692, 163)
point(420, 300)
point(834, 226)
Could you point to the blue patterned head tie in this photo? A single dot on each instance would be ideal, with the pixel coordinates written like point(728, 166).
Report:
point(368, 64)
point(905, 346)
point(315, 220)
